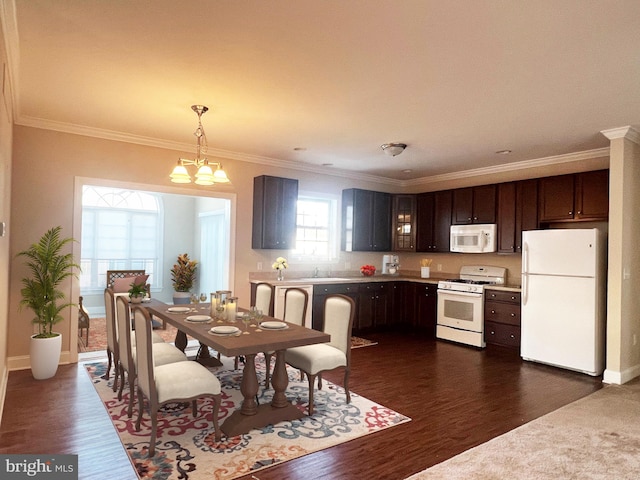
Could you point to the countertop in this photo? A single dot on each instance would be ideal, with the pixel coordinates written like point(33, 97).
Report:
point(375, 278)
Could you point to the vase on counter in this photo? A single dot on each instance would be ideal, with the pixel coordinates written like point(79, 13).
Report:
point(280, 275)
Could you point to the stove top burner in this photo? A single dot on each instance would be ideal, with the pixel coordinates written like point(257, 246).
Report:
point(471, 282)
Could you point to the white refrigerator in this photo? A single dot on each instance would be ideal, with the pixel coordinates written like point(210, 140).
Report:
point(564, 298)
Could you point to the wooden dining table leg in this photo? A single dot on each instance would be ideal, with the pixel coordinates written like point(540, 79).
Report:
point(249, 386)
point(203, 356)
point(279, 381)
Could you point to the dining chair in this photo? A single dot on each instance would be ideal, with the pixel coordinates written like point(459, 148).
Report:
point(263, 302)
point(264, 298)
point(83, 321)
point(316, 359)
point(120, 281)
point(112, 334)
point(163, 353)
point(173, 382)
point(296, 301)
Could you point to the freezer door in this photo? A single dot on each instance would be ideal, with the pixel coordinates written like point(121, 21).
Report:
point(560, 252)
point(561, 323)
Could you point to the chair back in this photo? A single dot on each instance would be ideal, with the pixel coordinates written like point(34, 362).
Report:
point(338, 320)
point(144, 351)
point(113, 275)
point(110, 319)
point(295, 305)
point(123, 320)
point(264, 298)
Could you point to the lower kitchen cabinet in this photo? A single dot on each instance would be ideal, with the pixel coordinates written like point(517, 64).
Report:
point(502, 318)
point(373, 306)
point(320, 293)
point(425, 301)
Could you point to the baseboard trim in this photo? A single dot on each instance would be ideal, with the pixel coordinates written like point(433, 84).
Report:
point(23, 362)
point(619, 378)
point(3, 391)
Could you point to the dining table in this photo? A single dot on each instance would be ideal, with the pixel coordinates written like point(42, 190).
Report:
point(251, 339)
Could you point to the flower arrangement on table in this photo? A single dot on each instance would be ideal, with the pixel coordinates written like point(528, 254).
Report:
point(280, 264)
point(183, 273)
point(367, 270)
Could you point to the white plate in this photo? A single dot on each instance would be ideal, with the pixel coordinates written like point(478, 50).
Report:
point(178, 309)
point(273, 325)
point(198, 318)
point(225, 330)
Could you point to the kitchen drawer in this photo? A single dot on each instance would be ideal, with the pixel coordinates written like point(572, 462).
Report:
point(502, 313)
point(502, 296)
point(343, 288)
point(501, 334)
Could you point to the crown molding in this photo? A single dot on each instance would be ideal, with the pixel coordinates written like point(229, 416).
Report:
point(622, 132)
point(274, 162)
point(512, 167)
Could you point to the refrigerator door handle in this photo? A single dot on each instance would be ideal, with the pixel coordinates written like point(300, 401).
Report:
point(525, 273)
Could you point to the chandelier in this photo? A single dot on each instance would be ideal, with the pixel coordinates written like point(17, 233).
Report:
point(205, 175)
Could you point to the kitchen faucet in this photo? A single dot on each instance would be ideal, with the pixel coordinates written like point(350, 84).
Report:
point(315, 272)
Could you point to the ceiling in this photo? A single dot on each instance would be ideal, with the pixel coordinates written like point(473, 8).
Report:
point(309, 83)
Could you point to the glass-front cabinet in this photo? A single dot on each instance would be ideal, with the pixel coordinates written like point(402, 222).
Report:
point(404, 223)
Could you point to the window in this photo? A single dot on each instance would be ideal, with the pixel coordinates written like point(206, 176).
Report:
point(316, 229)
point(121, 230)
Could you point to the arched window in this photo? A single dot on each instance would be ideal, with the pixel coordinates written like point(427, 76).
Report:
point(121, 230)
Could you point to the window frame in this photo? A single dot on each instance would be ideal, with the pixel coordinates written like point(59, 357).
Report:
point(333, 230)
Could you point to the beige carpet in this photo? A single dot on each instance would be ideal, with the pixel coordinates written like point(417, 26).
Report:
point(596, 437)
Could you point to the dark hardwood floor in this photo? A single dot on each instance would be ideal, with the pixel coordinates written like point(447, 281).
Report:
point(457, 397)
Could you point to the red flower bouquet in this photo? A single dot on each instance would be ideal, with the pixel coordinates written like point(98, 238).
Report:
point(368, 270)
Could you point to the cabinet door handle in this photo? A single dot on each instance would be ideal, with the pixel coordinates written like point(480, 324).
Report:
point(570, 213)
point(493, 311)
point(579, 212)
point(513, 314)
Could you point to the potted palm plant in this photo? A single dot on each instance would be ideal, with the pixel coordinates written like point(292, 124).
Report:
point(137, 292)
point(183, 274)
point(41, 293)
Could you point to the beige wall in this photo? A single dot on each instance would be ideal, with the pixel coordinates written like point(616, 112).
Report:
point(6, 132)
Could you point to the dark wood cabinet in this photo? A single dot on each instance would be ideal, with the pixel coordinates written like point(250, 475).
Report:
point(366, 221)
point(433, 221)
point(592, 195)
point(517, 212)
point(474, 205)
point(373, 306)
point(575, 197)
point(426, 301)
point(320, 293)
point(274, 212)
point(502, 318)
point(404, 223)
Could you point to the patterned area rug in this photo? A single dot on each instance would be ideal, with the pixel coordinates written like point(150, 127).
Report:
point(186, 448)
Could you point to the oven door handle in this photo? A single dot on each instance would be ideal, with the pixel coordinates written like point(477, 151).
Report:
point(458, 294)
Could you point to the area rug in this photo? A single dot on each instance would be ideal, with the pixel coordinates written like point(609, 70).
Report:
point(594, 438)
point(186, 448)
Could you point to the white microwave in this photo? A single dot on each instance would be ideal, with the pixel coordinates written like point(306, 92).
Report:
point(479, 238)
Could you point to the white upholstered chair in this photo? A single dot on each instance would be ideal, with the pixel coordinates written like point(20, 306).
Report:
point(315, 359)
point(163, 353)
point(174, 382)
point(296, 303)
point(112, 334)
point(264, 298)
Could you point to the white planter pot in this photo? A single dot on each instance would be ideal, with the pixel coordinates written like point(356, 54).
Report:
point(45, 356)
point(181, 298)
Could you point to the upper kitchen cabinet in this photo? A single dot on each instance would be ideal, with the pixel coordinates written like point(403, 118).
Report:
point(433, 221)
point(474, 205)
point(366, 221)
point(580, 196)
point(404, 223)
point(517, 212)
point(274, 212)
